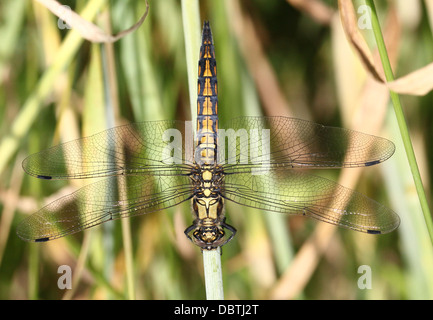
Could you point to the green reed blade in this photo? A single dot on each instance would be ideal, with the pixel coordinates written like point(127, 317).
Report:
point(398, 109)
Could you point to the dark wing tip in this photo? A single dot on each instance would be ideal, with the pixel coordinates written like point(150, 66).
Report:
point(28, 167)
point(24, 231)
point(44, 177)
point(372, 163)
point(374, 232)
point(26, 237)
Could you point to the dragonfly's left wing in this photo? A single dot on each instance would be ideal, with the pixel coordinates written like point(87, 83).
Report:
point(295, 192)
point(151, 147)
point(105, 200)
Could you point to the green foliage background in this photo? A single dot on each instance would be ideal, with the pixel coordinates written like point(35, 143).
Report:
point(54, 89)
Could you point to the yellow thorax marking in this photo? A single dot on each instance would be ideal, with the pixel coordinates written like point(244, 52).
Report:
point(207, 175)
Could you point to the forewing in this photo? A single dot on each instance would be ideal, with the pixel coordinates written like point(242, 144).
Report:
point(280, 142)
point(153, 147)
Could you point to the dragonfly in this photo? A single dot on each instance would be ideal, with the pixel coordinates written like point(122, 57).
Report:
point(256, 162)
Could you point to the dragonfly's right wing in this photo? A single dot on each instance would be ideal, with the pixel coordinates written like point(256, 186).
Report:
point(152, 147)
point(105, 200)
point(294, 192)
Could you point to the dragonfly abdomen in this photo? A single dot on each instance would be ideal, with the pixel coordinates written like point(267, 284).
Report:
point(207, 101)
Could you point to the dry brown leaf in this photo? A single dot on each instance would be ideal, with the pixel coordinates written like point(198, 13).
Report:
point(274, 101)
point(419, 82)
point(297, 275)
point(87, 29)
point(350, 26)
point(316, 9)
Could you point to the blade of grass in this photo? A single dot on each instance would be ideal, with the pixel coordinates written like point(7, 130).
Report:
point(34, 250)
point(33, 272)
point(401, 119)
point(97, 117)
point(191, 27)
point(416, 248)
point(9, 207)
point(140, 71)
point(148, 92)
point(112, 110)
point(12, 21)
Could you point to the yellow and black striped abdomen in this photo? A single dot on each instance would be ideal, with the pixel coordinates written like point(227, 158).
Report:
point(207, 101)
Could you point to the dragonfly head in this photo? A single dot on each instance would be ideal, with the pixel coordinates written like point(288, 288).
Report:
point(209, 237)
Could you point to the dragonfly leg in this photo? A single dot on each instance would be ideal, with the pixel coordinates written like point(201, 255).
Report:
point(231, 229)
point(188, 230)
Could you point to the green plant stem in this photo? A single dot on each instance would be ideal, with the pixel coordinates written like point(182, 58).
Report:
point(112, 108)
point(400, 119)
point(191, 27)
point(213, 274)
point(33, 272)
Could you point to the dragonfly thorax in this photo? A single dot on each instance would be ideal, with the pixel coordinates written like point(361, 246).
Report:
point(207, 182)
point(207, 230)
point(207, 201)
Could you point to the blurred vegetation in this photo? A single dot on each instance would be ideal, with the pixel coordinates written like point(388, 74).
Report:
point(272, 59)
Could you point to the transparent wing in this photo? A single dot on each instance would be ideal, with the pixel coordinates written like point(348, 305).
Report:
point(280, 142)
point(109, 199)
point(295, 192)
point(153, 147)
